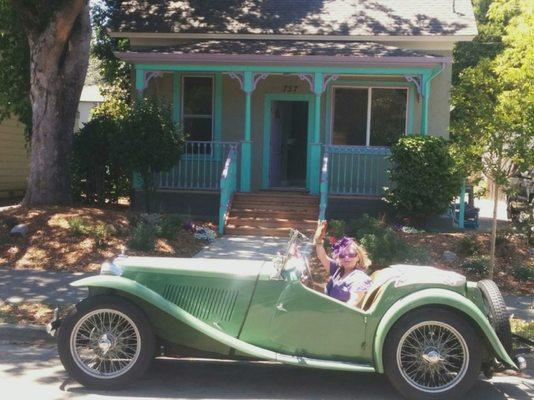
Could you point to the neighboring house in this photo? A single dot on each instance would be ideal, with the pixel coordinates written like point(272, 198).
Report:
point(309, 93)
point(14, 154)
point(14, 165)
point(90, 98)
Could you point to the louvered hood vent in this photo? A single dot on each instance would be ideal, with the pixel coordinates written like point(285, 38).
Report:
point(207, 304)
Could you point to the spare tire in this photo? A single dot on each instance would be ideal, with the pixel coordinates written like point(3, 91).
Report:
point(497, 313)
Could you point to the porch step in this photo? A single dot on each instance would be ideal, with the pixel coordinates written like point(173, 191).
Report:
point(272, 213)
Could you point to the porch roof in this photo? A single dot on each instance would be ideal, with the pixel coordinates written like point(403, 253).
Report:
point(281, 51)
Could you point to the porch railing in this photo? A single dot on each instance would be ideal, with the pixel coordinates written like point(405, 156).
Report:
point(228, 187)
point(357, 170)
point(200, 166)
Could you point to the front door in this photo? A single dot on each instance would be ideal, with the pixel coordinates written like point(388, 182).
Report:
point(288, 143)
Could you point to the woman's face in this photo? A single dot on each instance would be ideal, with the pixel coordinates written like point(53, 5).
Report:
point(349, 258)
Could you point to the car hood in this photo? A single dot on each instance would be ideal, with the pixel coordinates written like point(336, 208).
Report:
point(208, 267)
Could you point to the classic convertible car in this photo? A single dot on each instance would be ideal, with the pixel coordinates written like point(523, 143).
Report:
point(430, 331)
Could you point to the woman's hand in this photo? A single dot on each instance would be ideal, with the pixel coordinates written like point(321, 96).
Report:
point(320, 232)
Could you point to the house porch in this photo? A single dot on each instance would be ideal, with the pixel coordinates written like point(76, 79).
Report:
point(237, 136)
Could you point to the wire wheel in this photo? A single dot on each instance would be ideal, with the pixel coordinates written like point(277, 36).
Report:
point(105, 343)
point(432, 356)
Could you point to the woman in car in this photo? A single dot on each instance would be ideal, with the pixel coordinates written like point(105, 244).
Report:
point(348, 281)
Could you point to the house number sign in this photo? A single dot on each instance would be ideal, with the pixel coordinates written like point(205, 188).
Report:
point(290, 88)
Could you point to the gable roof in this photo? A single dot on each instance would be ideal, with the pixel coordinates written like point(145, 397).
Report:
point(298, 17)
point(276, 51)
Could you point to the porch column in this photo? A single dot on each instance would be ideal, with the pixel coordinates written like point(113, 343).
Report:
point(315, 159)
point(139, 80)
point(176, 95)
point(425, 93)
point(246, 156)
point(461, 214)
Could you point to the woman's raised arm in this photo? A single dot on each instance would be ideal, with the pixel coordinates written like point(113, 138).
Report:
point(318, 239)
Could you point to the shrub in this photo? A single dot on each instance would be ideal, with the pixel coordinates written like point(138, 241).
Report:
point(423, 177)
point(100, 232)
point(467, 246)
point(169, 227)
point(366, 225)
point(385, 248)
point(524, 273)
point(478, 265)
point(336, 228)
point(143, 237)
point(99, 168)
point(79, 226)
point(153, 144)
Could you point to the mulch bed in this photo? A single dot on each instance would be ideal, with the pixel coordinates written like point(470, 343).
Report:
point(50, 245)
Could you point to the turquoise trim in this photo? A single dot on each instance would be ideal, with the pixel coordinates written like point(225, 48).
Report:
point(411, 109)
point(139, 79)
point(425, 93)
point(246, 153)
point(289, 68)
point(268, 99)
point(176, 97)
point(461, 217)
point(217, 107)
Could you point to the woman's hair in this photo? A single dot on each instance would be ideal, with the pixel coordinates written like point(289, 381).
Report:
point(363, 258)
point(345, 245)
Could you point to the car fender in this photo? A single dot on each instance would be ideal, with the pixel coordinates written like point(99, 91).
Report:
point(142, 292)
point(429, 297)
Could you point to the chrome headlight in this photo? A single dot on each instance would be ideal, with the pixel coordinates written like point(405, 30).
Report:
point(108, 268)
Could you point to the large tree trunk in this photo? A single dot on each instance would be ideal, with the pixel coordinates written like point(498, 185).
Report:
point(59, 57)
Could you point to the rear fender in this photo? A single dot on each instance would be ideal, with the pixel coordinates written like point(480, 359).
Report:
point(441, 297)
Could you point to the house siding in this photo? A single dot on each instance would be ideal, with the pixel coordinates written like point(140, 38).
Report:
point(14, 164)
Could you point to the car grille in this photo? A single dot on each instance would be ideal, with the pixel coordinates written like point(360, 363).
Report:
point(204, 303)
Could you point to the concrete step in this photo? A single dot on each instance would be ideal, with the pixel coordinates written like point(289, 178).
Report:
point(272, 223)
point(309, 214)
point(262, 231)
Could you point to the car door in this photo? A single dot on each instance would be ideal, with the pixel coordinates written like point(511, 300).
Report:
point(308, 323)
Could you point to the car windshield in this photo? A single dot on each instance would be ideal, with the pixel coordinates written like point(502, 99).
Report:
point(298, 246)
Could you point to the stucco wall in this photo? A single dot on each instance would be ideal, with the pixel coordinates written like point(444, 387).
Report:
point(14, 164)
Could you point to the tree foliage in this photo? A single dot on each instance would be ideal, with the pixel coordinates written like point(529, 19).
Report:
point(492, 123)
point(14, 68)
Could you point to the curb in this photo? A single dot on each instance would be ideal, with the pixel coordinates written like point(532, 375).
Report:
point(22, 333)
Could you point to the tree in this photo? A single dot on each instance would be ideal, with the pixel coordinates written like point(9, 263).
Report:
point(14, 68)
point(492, 121)
point(58, 35)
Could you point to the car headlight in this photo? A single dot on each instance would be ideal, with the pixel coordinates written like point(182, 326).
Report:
point(108, 268)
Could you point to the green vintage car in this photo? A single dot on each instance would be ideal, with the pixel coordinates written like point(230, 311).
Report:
point(430, 331)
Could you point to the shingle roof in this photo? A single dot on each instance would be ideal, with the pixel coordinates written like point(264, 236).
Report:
point(287, 48)
point(286, 51)
point(310, 17)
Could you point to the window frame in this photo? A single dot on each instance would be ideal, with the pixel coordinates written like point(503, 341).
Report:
point(369, 106)
point(182, 102)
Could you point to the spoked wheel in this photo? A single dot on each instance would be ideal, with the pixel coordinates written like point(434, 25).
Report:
point(107, 343)
point(432, 354)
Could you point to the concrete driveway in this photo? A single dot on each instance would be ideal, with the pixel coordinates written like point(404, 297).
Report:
point(34, 372)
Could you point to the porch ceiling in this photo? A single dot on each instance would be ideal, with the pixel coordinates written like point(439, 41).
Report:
point(281, 51)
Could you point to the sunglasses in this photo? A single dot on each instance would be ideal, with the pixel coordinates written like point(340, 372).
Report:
point(347, 256)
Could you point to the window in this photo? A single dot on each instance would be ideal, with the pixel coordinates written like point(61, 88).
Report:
point(369, 117)
point(197, 107)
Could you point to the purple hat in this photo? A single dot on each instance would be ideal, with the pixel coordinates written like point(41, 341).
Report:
point(342, 246)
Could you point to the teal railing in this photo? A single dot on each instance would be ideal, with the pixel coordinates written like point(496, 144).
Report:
point(200, 166)
point(228, 186)
point(324, 187)
point(357, 170)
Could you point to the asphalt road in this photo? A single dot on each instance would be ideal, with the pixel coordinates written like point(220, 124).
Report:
point(34, 372)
